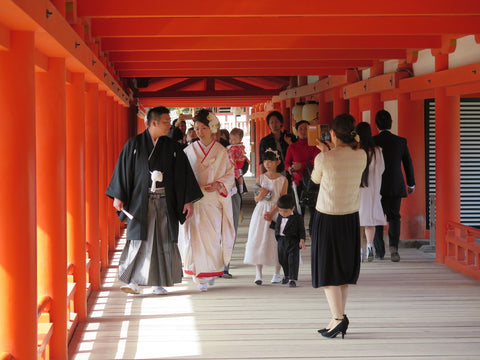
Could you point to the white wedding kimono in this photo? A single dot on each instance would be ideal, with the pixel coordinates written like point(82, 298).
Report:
point(209, 235)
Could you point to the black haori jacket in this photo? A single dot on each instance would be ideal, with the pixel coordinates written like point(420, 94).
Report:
point(131, 181)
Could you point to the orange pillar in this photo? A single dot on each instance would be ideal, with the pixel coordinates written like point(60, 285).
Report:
point(92, 184)
point(18, 259)
point(324, 110)
point(110, 166)
point(376, 104)
point(355, 109)
point(447, 154)
point(116, 141)
point(411, 126)
point(340, 105)
point(51, 198)
point(76, 236)
point(103, 175)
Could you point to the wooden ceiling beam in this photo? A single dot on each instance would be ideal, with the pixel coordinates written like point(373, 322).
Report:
point(236, 55)
point(239, 83)
point(233, 72)
point(269, 82)
point(208, 92)
point(204, 101)
point(183, 84)
point(243, 64)
point(272, 8)
point(272, 42)
point(289, 26)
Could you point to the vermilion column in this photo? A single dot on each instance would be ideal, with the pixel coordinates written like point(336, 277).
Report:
point(410, 125)
point(103, 176)
point(76, 189)
point(447, 155)
point(376, 104)
point(340, 105)
point(92, 183)
point(18, 258)
point(51, 199)
point(116, 141)
point(355, 109)
point(110, 165)
point(324, 110)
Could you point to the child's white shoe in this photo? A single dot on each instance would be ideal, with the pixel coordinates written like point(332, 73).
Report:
point(203, 287)
point(211, 281)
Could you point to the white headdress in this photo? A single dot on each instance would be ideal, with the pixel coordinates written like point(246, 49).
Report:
point(277, 155)
point(213, 122)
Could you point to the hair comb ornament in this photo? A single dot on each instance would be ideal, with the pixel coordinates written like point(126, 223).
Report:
point(213, 122)
point(277, 155)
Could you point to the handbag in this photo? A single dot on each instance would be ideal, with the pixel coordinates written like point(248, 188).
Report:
point(308, 197)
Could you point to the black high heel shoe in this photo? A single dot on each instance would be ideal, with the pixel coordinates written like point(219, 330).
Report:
point(321, 331)
point(340, 328)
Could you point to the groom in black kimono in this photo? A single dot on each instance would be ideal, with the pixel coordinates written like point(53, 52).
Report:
point(154, 186)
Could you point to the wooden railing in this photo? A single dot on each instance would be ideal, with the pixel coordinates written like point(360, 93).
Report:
point(463, 252)
point(72, 318)
point(45, 328)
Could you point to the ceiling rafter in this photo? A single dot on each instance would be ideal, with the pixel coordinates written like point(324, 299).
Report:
point(244, 45)
point(273, 8)
point(257, 54)
point(289, 26)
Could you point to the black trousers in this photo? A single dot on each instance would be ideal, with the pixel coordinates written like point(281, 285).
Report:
point(289, 256)
point(391, 208)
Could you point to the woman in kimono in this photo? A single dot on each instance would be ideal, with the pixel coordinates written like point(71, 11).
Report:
point(209, 234)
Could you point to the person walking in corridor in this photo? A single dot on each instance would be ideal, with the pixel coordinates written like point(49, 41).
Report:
point(154, 185)
point(395, 154)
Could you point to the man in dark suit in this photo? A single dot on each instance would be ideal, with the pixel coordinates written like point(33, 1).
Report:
point(395, 153)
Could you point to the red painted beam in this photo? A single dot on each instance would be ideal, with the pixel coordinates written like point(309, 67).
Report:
point(209, 93)
point(233, 72)
point(272, 8)
point(219, 64)
point(203, 101)
point(272, 42)
point(288, 26)
point(457, 76)
point(233, 54)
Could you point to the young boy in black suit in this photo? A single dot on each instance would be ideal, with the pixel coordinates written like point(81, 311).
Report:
point(290, 234)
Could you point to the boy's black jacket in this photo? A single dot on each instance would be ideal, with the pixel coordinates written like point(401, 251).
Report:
point(294, 228)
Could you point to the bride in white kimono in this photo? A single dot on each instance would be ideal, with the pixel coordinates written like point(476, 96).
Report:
point(209, 234)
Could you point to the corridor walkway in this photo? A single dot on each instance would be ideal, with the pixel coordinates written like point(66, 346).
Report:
point(414, 309)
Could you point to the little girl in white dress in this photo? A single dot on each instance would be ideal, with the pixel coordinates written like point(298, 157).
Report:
point(261, 247)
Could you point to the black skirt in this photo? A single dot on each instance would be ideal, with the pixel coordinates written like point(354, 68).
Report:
point(335, 249)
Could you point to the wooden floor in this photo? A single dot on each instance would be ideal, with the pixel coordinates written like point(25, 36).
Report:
point(414, 309)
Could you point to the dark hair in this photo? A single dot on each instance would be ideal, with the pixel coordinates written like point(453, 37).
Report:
point(364, 130)
point(238, 132)
point(201, 116)
point(269, 154)
point(383, 120)
point(277, 114)
point(225, 133)
point(344, 127)
point(176, 134)
point(285, 202)
point(297, 125)
point(155, 113)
